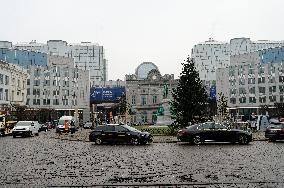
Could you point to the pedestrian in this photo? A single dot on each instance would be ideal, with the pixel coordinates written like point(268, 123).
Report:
point(72, 127)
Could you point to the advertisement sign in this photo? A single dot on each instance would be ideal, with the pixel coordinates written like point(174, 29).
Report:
point(106, 94)
point(213, 92)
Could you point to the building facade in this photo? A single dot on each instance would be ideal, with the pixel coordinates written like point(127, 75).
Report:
point(86, 55)
point(144, 92)
point(211, 55)
point(13, 85)
point(23, 58)
point(253, 80)
point(60, 87)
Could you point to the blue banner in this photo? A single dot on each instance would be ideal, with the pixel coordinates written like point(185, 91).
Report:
point(213, 92)
point(106, 94)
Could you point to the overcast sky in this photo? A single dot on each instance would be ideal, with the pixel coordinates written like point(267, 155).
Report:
point(136, 31)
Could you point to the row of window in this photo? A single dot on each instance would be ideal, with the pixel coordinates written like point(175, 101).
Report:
point(45, 92)
point(47, 83)
point(261, 99)
point(251, 70)
point(271, 89)
point(65, 102)
point(261, 80)
point(143, 100)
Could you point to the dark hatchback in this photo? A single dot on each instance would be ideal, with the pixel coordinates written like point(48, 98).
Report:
point(211, 131)
point(117, 133)
point(275, 132)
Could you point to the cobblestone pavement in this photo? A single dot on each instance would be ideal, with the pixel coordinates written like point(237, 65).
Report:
point(46, 161)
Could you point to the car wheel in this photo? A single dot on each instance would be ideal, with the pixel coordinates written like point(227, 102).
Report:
point(197, 140)
point(36, 134)
point(98, 141)
point(2, 133)
point(134, 141)
point(242, 139)
point(14, 136)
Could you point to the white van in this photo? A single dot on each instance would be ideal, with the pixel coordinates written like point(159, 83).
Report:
point(26, 128)
point(64, 124)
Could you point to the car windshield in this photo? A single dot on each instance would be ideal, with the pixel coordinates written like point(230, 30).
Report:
point(23, 124)
point(130, 128)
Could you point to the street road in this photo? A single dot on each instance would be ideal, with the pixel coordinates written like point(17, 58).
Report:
point(45, 161)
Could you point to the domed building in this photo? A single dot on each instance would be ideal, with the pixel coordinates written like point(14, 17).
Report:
point(145, 91)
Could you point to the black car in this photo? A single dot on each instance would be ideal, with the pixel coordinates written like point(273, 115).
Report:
point(275, 132)
point(211, 131)
point(117, 133)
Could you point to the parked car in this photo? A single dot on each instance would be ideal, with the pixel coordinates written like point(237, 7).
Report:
point(275, 131)
point(211, 131)
point(117, 133)
point(88, 125)
point(26, 128)
point(43, 127)
point(50, 125)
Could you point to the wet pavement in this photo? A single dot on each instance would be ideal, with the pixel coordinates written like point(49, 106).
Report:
point(46, 161)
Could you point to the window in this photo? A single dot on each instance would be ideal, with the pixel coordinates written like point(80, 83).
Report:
point(6, 95)
point(36, 82)
point(251, 80)
point(120, 129)
point(6, 80)
point(242, 81)
point(1, 79)
point(281, 89)
point(252, 100)
point(281, 98)
point(143, 100)
point(206, 126)
point(133, 100)
point(219, 126)
point(28, 91)
point(242, 99)
point(262, 99)
point(272, 98)
point(28, 82)
point(154, 99)
point(261, 90)
point(55, 102)
point(272, 89)
point(108, 128)
point(261, 80)
point(242, 90)
point(252, 90)
point(233, 100)
point(1, 94)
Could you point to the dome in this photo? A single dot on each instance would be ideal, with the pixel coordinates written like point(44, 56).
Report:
point(144, 68)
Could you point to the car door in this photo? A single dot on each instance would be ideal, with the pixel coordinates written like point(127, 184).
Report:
point(207, 131)
point(109, 133)
point(221, 134)
point(122, 134)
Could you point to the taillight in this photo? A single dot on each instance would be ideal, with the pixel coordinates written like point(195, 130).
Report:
point(281, 131)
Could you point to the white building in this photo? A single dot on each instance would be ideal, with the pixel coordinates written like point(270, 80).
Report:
point(87, 55)
point(13, 85)
point(253, 80)
point(211, 55)
point(60, 87)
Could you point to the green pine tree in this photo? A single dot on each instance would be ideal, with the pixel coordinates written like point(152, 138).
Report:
point(190, 100)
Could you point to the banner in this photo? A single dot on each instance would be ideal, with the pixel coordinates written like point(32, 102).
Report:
point(106, 94)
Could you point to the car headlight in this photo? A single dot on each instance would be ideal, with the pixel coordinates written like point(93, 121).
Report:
point(27, 128)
